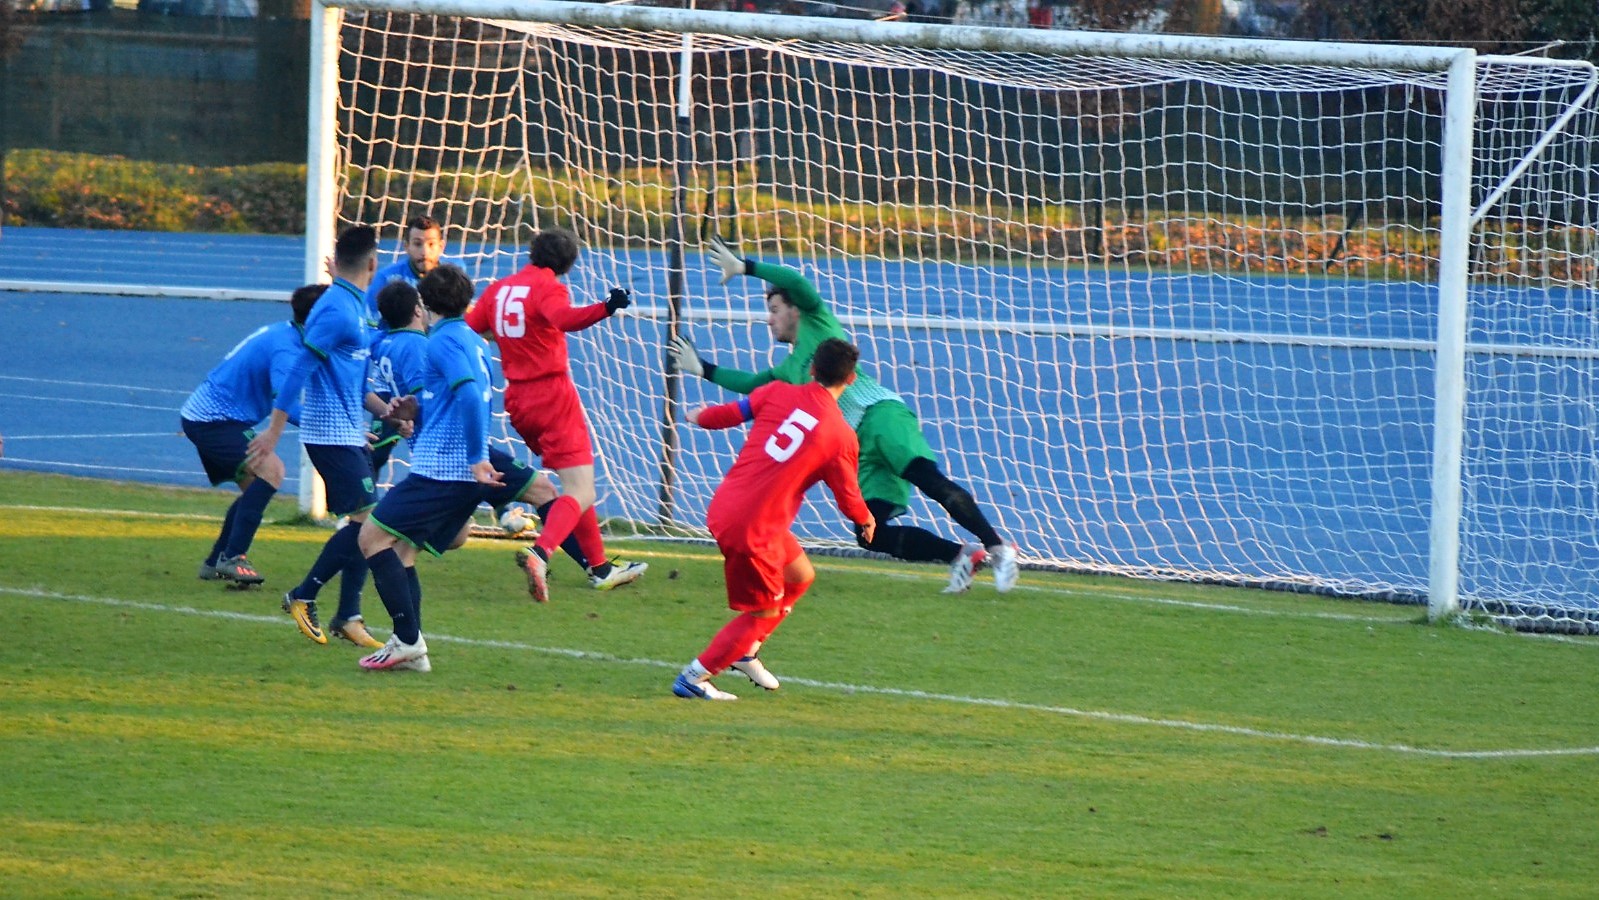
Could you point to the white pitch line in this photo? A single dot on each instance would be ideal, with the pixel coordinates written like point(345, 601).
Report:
point(822, 565)
point(846, 688)
point(130, 513)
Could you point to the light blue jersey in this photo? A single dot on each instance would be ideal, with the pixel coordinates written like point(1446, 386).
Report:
point(242, 387)
point(399, 362)
point(399, 270)
point(334, 409)
point(399, 367)
point(455, 404)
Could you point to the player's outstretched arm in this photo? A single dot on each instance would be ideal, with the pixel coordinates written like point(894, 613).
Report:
point(722, 415)
point(841, 478)
point(682, 356)
point(728, 260)
point(795, 286)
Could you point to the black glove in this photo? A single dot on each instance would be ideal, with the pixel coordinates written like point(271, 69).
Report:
point(621, 298)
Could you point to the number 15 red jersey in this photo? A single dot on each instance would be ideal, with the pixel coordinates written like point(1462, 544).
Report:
point(799, 438)
point(529, 314)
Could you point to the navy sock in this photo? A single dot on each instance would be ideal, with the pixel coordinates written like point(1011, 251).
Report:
point(350, 586)
point(394, 589)
point(222, 536)
point(570, 546)
point(336, 554)
point(247, 512)
point(416, 595)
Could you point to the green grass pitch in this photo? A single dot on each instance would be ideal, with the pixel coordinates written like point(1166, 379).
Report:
point(1088, 737)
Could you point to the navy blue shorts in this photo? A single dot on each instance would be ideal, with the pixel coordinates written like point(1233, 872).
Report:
point(516, 474)
point(347, 473)
point(427, 514)
point(223, 447)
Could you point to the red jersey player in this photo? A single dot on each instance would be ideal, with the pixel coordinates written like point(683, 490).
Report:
point(799, 438)
point(528, 314)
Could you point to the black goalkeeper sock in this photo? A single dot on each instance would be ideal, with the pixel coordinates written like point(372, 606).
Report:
point(913, 544)
point(906, 542)
point(956, 500)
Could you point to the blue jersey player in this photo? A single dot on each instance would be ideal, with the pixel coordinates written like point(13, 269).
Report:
point(451, 472)
point(424, 251)
point(399, 361)
point(399, 358)
point(220, 418)
point(332, 365)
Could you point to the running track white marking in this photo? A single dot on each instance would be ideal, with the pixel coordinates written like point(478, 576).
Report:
point(170, 409)
point(98, 468)
point(90, 437)
point(94, 384)
point(1097, 715)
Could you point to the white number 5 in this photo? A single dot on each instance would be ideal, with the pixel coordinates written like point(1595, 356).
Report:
point(793, 428)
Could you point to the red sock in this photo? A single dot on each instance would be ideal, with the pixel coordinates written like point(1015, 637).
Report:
point(558, 524)
point(792, 591)
point(764, 630)
point(588, 537)
point(734, 641)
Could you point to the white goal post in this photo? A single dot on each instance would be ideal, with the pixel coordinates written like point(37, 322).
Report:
point(1315, 316)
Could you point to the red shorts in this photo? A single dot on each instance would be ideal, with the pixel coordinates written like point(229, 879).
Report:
point(755, 581)
point(549, 417)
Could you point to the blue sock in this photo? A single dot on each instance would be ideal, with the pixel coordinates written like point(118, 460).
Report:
point(222, 536)
point(416, 595)
point(394, 589)
point(336, 554)
point(246, 515)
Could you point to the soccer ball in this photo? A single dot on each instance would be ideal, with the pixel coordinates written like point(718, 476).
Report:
point(514, 520)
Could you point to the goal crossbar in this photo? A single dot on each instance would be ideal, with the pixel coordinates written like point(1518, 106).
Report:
point(772, 27)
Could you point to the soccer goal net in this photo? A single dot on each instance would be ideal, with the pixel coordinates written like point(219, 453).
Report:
point(1311, 316)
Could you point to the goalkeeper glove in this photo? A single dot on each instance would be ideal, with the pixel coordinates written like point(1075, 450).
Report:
point(728, 260)
point(686, 359)
point(621, 298)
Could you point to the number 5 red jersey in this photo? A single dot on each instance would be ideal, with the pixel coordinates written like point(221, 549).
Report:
point(799, 438)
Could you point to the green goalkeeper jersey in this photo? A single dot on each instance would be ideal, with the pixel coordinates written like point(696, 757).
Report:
point(816, 324)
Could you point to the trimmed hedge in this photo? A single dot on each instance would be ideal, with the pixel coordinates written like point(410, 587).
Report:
point(79, 190)
point(75, 190)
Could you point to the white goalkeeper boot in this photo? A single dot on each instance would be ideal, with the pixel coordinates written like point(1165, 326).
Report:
point(962, 571)
point(1006, 571)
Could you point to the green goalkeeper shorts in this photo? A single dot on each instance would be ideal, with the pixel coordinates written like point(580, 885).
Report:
point(891, 438)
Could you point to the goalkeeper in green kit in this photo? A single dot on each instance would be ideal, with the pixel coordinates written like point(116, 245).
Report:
point(894, 454)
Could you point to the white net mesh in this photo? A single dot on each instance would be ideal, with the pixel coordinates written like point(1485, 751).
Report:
point(1174, 319)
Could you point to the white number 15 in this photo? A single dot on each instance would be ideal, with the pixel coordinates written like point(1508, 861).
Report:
point(511, 320)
